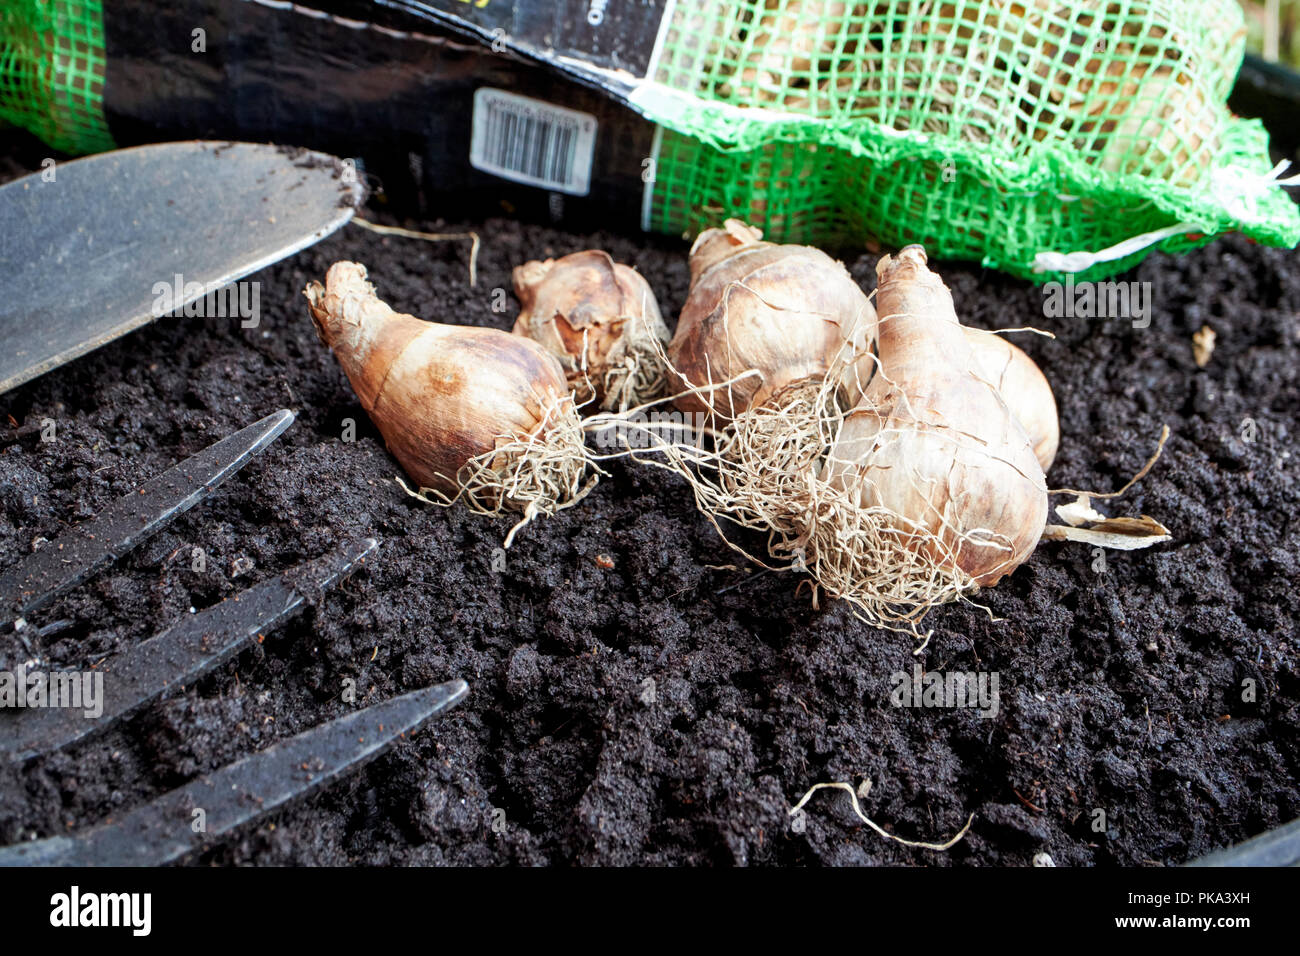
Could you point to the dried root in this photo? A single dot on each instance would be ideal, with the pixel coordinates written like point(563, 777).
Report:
point(1121, 534)
point(892, 571)
point(767, 456)
point(538, 474)
point(635, 372)
point(764, 472)
point(857, 809)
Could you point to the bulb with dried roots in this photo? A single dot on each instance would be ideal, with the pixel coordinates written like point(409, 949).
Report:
point(761, 319)
point(763, 331)
point(600, 319)
point(472, 414)
point(932, 487)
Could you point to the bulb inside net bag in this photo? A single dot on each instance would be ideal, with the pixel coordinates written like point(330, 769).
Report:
point(1039, 136)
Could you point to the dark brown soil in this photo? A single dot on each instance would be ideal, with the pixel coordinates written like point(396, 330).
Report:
point(1121, 690)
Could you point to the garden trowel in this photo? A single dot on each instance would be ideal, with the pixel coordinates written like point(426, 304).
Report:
point(94, 248)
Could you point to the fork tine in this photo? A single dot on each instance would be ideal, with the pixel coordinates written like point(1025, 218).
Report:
point(77, 554)
point(182, 653)
point(161, 831)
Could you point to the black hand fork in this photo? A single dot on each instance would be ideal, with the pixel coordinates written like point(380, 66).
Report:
point(183, 653)
point(77, 554)
point(161, 831)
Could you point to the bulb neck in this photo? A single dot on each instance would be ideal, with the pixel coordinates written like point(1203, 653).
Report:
point(367, 336)
point(917, 325)
point(714, 245)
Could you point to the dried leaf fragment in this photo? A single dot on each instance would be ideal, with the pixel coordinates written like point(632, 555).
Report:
point(1079, 511)
point(1118, 534)
point(1203, 346)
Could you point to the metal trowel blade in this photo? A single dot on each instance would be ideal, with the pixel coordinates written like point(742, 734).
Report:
point(94, 248)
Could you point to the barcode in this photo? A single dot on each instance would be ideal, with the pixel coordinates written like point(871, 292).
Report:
point(531, 141)
point(530, 146)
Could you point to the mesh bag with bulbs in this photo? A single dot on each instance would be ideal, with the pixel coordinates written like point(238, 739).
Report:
point(1038, 136)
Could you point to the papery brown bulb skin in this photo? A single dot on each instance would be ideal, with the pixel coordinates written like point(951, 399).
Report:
point(595, 315)
point(933, 443)
point(439, 394)
point(1003, 365)
point(1023, 387)
point(783, 310)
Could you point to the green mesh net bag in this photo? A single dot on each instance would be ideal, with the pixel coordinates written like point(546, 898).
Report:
point(1036, 136)
point(52, 72)
point(1039, 136)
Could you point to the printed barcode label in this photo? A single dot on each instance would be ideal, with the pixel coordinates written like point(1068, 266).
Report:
point(532, 141)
